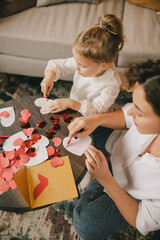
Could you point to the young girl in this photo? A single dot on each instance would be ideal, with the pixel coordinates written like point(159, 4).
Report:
point(127, 191)
point(95, 82)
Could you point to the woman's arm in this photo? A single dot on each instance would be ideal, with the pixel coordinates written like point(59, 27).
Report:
point(113, 120)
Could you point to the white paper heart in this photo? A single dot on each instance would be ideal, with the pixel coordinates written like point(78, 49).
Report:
point(44, 104)
point(77, 146)
point(40, 146)
point(8, 121)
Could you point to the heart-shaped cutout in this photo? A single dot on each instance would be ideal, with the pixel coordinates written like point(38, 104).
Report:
point(7, 121)
point(56, 161)
point(28, 131)
point(57, 141)
point(77, 146)
point(44, 104)
point(18, 142)
point(4, 114)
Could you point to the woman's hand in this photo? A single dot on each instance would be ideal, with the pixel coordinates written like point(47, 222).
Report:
point(59, 105)
point(83, 126)
point(97, 165)
point(47, 83)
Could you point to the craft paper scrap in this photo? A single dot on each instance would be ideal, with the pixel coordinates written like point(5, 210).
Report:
point(7, 119)
point(77, 146)
point(43, 184)
point(44, 104)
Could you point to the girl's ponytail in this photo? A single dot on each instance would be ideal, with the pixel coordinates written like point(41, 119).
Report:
point(101, 42)
point(113, 26)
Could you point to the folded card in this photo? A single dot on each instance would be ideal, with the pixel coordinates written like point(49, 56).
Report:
point(43, 184)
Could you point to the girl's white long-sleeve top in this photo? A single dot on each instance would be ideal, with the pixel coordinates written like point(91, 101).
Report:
point(96, 94)
point(138, 175)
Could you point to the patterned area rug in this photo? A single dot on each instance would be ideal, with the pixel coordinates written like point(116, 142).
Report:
point(53, 222)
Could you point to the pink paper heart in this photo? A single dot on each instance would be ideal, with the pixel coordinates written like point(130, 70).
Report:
point(77, 146)
point(4, 162)
point(4, 114)
point(28, 131)
point(50, 151)
point(56, 161)
point(7, 174)
point(12, 184)
point(4, 186)
point(10, 154)
point(57, 141)
point(18, 142)
point(24, 158)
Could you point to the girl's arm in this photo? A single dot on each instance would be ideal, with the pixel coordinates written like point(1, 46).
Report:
point(113, 120)
point(97, 165)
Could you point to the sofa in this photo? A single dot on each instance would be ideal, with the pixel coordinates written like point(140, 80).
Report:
point(29, 38)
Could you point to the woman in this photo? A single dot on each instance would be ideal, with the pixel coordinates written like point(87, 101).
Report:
point(127, 190)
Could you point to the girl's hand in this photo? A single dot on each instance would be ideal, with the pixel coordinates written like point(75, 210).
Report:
point(83, 126)
point(59, 105)
point(97, 165)
point(47, 83)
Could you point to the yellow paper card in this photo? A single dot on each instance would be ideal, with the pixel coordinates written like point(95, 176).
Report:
point(43, 184)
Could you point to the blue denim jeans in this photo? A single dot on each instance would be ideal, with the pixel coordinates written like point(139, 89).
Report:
point(95, 215)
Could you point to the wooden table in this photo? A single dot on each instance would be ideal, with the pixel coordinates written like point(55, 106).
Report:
point(13, 200)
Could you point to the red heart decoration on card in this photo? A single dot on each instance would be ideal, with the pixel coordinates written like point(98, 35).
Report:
point(4, 114)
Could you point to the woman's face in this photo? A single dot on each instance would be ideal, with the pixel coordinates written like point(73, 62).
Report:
point(86, 67)
point(145, 119)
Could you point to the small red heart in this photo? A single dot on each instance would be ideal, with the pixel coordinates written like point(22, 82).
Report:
point(56, 161)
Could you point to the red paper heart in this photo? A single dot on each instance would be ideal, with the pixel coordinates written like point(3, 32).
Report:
point(35, 137)
point(31, 152)
point(50, 134)
point(4, 114)
point(41, 124)
point(57, 141)
point(56, 161)
point(55, 118)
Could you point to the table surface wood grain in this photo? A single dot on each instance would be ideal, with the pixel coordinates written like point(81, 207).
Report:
point(12, 200)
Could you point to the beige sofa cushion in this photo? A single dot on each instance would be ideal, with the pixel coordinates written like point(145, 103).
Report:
point(40, 33)
point(142, 30)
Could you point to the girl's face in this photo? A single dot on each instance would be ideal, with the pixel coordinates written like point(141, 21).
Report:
point(144, 117)
point(86, 67)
